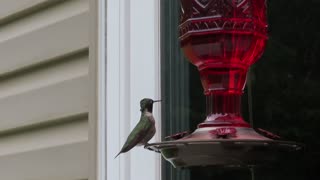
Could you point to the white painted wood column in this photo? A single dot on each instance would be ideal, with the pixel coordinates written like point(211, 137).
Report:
point(126, 68)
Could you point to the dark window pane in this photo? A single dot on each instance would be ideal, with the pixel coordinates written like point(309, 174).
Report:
point(283, 96)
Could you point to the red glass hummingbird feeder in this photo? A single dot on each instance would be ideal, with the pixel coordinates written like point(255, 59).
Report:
point(223, 38)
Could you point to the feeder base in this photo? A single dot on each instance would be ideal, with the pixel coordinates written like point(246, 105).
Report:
point(246, 149)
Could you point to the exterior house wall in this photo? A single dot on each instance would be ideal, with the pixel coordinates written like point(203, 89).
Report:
point(44, 89)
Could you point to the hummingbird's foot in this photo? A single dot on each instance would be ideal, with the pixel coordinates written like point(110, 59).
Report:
point(154, 150)
point(149, 148)
point(145, 146)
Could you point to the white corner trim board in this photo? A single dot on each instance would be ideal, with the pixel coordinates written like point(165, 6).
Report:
point(127, 69)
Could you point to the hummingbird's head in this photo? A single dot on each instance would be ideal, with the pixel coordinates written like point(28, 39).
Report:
point(146, 104)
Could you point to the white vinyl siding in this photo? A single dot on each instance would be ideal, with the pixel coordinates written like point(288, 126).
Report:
point(44, 93)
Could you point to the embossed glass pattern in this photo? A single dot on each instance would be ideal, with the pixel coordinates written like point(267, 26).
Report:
point(223, 38)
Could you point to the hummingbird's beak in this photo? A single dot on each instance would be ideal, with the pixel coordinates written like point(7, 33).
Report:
point(157, 101)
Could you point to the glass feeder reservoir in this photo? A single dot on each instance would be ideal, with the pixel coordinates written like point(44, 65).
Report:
point(223, 38)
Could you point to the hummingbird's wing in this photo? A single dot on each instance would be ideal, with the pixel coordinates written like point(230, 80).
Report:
point(137, 134)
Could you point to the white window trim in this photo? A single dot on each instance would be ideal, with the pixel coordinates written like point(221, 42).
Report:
point(123, 69)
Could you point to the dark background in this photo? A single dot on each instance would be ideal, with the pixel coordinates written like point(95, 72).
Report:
point(285, 90)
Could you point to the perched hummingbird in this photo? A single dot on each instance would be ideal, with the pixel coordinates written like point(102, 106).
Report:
point(144, 130)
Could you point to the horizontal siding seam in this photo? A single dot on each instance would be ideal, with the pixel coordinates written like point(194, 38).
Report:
point(75, 142)
point(28, 11)
point(41, 64)
point(44, 124)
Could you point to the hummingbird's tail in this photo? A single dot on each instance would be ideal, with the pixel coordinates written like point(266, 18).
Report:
point(118, 154)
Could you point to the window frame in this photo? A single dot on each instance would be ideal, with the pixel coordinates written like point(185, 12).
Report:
point(123, 70)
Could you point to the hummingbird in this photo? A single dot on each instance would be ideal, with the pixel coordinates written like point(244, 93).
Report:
point(144, 130)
